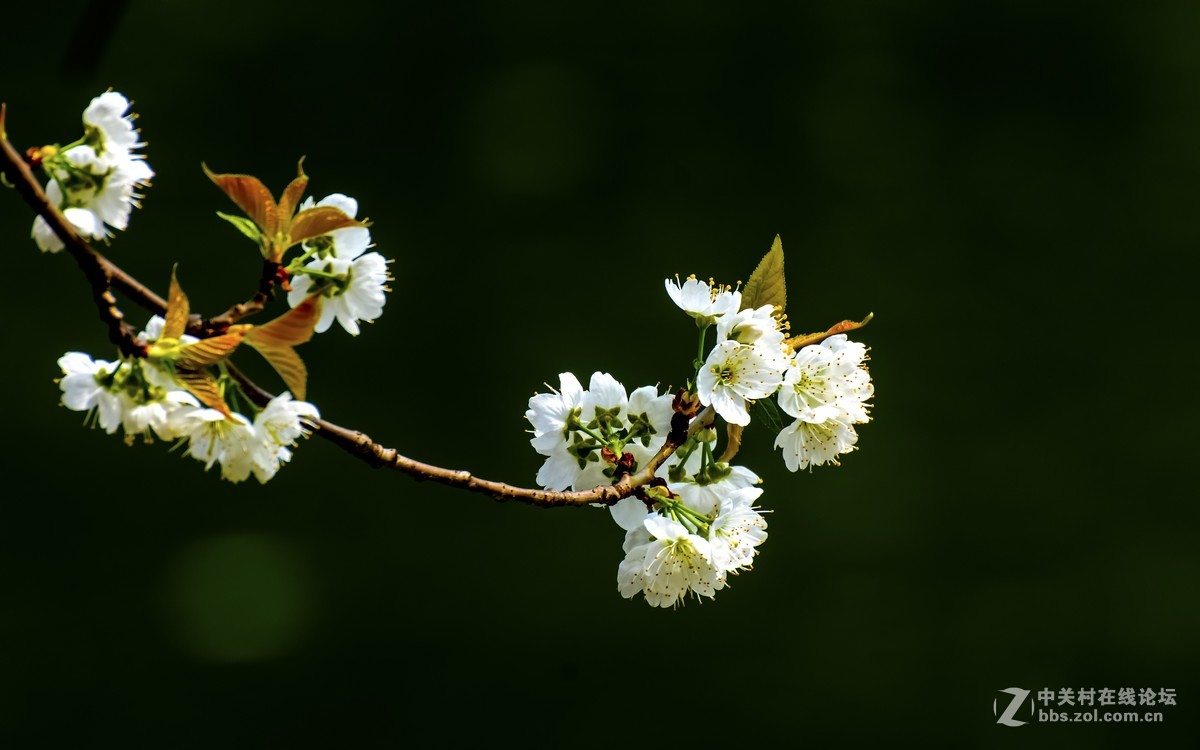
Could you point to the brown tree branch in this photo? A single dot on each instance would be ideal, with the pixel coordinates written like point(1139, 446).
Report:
point(103, 273)
point(266, 292)
point(361, 446)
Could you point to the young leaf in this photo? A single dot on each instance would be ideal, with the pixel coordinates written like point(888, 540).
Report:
point(274, 341)
point(202, 385)
point(293, 327)
point(178, 310)
point(319, 220)
point(285, 361)
point(293, 192)
point(766, 285)
point(243, 225)
point(799, 342)
point(210, 351)
point(251, 196)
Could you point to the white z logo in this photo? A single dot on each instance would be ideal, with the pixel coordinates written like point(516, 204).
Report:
point(1006, 718)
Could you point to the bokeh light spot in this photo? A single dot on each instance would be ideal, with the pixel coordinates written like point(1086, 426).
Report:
point(239, 598)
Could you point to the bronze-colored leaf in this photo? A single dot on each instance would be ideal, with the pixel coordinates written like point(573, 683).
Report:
point(274, 340)
point(290, 329)
point(204, 387)
point(178, 310)
point(766, 285)
point(251, 196)
point(799, 342)
point(288, 364)
point(319, 220)
point(733, 442)
point(209, 351)
point(293, 192)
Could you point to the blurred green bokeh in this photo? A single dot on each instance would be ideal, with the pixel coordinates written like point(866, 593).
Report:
point(1010, 187)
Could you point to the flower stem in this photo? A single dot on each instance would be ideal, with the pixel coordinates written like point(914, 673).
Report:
point(699, 362)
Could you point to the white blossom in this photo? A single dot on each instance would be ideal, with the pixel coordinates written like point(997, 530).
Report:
point(86, 386)
point(826, 389)
point(574, 428)
point(705, 303)
point(127, 394)
point(762, 328)
point(152, 413)
point(733, 374)
point(109, 126)
point(817, 438)
point(95, 184)
point(284, 420)
point(737, 530)
point(550, 415)
point(353, 289)
point(629, 513)
point(243, 447)
point(665, 561)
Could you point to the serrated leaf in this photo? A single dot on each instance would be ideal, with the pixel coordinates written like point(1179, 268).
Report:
point(204, 387)
point(766, 285)
point(293, 192)
point(210, 351)
point(243, 225)
point(291, 328)
point(274, 341)
point(319, 220)
point(733, 442)
point(178, 309)
point(285, 361)
point(766, 414)
point(251, 196)
point(807, 339)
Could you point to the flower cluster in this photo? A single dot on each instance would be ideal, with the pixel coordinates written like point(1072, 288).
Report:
point(337, 265)
point(824, 386)
point(700, 527)
point(142, 398)
point(696, 522)
point(826, 390)
point(94, 180)
point(588, 437)
point(750, 357)
point(674, 549)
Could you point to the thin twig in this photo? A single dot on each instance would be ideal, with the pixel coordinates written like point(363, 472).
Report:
point(103, 273)
point(266, 292)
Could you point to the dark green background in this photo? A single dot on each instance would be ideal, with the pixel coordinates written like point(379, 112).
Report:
point(1011, 188)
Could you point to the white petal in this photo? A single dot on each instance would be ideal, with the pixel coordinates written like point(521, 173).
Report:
point(628, 513)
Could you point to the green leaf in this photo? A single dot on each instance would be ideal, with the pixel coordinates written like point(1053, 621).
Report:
point(766, 285)
point(766, 414)
point(244, 225)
